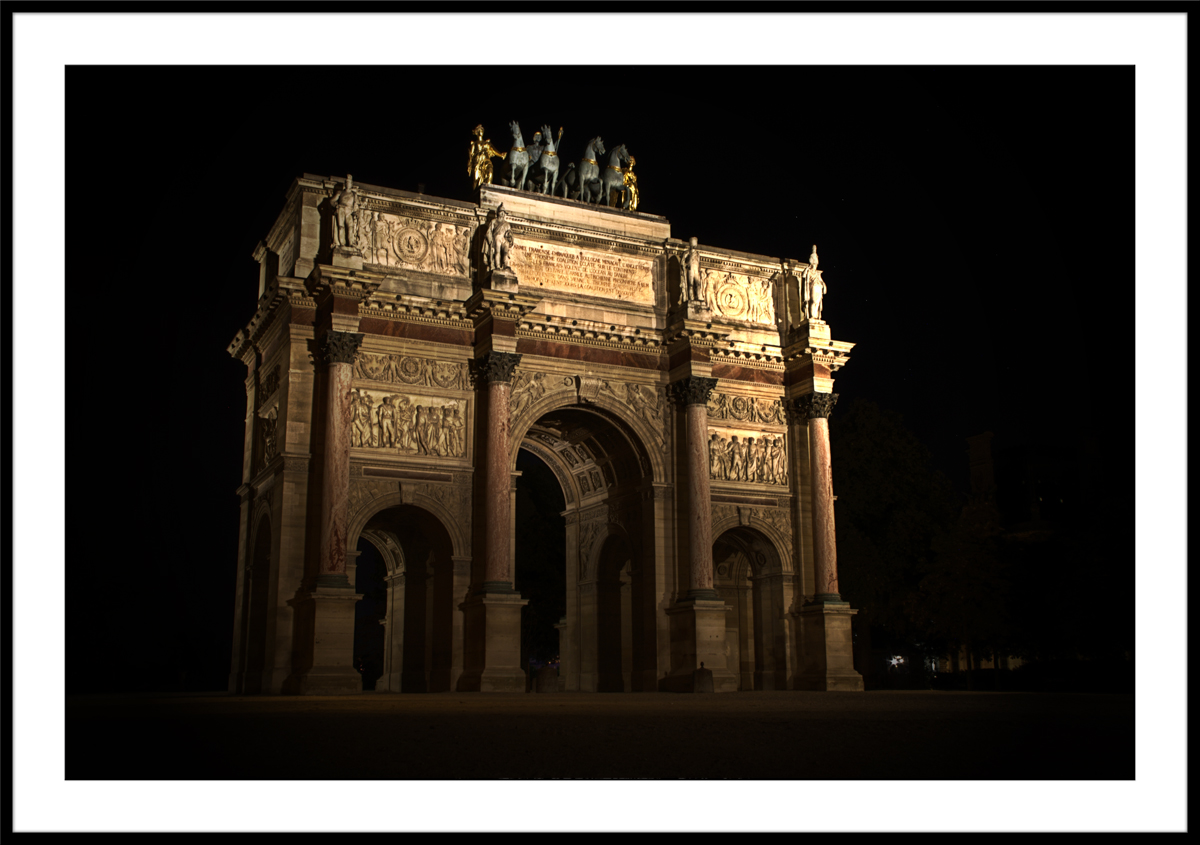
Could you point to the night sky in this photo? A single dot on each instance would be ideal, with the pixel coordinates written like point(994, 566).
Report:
point(975, 225)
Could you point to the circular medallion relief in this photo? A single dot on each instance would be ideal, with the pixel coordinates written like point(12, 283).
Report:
point(731, 298)
point(411, 245)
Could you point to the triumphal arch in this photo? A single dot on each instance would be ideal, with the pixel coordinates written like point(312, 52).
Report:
point(405, 348)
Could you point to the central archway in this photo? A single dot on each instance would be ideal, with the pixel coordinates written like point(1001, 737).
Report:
point(608, 640)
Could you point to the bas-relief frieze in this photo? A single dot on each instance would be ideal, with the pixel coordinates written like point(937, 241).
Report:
point(582, 271)
point(751, 456)
point(404, 242)
point(406, 369)
point(754, 409)
point(433, 426)
point(738, 296)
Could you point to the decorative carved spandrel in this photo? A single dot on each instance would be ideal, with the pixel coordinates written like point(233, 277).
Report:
point(527, 389)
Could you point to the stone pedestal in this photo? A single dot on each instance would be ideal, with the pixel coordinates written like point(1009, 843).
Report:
point(332, 672)
point(697, 309)
point(698, 636)
point(347, 256)
point(492, 631)
point(828, 660)
point(505, 280)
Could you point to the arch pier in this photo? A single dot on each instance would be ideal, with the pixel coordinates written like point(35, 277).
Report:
point(678, 394)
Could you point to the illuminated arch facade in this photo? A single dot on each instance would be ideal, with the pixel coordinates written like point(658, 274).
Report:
point(393, 378)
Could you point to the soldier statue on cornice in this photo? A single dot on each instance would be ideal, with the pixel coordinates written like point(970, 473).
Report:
point(497, 242)
point(345, 204)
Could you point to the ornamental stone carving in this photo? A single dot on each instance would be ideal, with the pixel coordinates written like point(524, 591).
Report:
point(406, 369)
point(749, 456)
point(588, 534)
point(692, 390)
point(527, 389)
point(780, 519)
point(407, 424)
point(645, 401)
point(816, 405)
point(739, 296)
point(756, 409)
point(339, 347)
point(268, 384)
point(494, 367)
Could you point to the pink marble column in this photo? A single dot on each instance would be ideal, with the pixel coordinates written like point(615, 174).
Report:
point(338, 349)
point(817, 407)
point(497, 368)
point(693, 393)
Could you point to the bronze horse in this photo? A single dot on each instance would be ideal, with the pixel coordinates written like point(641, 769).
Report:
point(543, 173)
point(517, 161)
point(587, 175)
point(613, 178)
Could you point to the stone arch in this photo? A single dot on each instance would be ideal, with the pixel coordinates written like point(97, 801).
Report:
point(562, 473)
point(378, 501)
point(591, 567)
point(389, 548)
point(263, 548)
point(781, 543)
point(633, 428)
point(759, 624)
point(421, 639)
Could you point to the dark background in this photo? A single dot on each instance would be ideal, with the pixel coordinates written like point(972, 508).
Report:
point(975, 226)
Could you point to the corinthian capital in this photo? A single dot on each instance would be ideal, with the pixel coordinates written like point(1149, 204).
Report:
point(692, 390)
point(494, 368)
point(815, 405)
point(340, 347)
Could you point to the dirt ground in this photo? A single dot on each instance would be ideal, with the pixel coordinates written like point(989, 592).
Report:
point(764, 735)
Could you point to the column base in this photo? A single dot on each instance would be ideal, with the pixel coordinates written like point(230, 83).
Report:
point(698, 637)
point(330, 612)
point(827, 664)
point(492, 639)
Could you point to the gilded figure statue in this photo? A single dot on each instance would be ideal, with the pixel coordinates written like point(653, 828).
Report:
point(631, 186)
point(479, 160)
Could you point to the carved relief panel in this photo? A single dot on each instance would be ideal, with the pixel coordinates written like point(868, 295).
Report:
point(408, 424)
point(405, 242)
point(739, 296)
point(746, 455)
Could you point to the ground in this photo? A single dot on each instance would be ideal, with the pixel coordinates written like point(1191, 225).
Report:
point(768, 735)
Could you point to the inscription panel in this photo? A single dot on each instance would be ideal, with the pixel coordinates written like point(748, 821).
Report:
point(574, 270)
